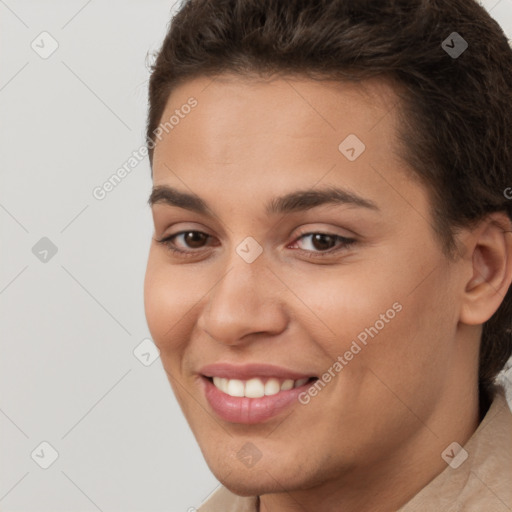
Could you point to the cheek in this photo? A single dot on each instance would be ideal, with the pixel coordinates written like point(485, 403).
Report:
point(168, 300)
point(415, 345)
point(395, 310)
point(343, 301)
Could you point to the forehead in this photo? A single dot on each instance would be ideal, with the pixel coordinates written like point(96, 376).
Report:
point(236, 116)
point(266, 137)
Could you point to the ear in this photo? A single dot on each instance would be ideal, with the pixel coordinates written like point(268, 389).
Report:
point(491, 249)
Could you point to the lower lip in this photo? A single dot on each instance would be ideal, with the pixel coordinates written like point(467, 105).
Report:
point(250, 410)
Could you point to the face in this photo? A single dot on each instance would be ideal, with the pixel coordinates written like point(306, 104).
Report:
point(301, 303)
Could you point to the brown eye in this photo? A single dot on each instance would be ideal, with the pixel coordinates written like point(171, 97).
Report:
point(194, 239)
point(185, 242)
point(323, 242)
point(318, 245)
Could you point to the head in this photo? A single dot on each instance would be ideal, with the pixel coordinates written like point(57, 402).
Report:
point(252, 101)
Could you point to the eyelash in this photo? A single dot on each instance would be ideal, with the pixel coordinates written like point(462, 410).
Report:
point(346, 243)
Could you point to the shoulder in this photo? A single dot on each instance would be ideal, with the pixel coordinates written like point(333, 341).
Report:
point(481, 478)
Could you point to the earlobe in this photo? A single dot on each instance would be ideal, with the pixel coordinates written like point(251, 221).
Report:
point(492, 269)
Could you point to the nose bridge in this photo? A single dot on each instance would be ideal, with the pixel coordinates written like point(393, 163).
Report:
point(245, 268)
point(245, 300)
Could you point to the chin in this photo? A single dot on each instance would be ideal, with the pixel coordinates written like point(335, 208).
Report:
point(258, 480)
point(253, 485)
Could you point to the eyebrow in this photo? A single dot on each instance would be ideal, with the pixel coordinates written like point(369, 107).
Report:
point(298, 200)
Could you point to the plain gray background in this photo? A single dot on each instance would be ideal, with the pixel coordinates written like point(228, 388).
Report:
point(73, 371)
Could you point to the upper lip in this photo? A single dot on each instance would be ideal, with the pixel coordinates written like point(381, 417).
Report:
point(248, 371)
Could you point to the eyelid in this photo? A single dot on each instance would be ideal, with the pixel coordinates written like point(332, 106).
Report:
point(166, 241)
point(346, 243)
point(301, 231)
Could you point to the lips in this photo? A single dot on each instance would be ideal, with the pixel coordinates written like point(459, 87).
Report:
point(248, 371)
point(251, 393)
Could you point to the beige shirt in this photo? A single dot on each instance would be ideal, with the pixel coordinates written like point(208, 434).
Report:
point(482, 483)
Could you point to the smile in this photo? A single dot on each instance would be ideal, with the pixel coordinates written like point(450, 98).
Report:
point(256, 387)
point(251, 393)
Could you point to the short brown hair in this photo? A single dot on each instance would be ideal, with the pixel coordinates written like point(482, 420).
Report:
point(455, 115)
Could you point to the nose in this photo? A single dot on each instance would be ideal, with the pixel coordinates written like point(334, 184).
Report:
point(247, 300)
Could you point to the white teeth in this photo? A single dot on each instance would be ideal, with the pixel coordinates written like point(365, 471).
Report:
point(221, 383)
point(272, 387)
point(235, 387)
point(255, 388)
point(286, 385)
point(300, 382)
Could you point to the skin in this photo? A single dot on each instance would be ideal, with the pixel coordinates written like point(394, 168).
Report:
point(373, 437)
